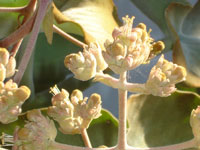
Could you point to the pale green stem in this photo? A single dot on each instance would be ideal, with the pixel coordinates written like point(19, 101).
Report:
point(85, 138)
point(122, 114)
point(43, 4)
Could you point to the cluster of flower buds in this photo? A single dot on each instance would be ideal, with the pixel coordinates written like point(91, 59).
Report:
point(7, 64)
point(85, 64)
point(75, 114)
point(38, 134)
point(163, 77)
point(131, 47)
point(11, 97)
point(195, 124)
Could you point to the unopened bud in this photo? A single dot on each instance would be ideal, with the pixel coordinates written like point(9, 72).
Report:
point(11, 100)
point(76, 114)
point(163, 77)
point(38, 134)
point(83, 65)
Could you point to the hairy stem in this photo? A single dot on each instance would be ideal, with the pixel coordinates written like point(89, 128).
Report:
point(122, 115)
point(32, 40)
point(69, 37)
point(85, 138)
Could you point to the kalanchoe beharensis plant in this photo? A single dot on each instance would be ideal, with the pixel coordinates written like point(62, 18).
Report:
point(73, 113)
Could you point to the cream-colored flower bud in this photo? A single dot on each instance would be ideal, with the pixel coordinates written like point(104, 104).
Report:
point(11, 100)
point(4, 56)
point(131, 47)
point(10, 67)
point(195, 124)
point(7, 65)
point(83, 65)
point(94, 106)
point(76, 114)
point(2, 72)
point(163, 77)
point(38, 134)
point(95, 49)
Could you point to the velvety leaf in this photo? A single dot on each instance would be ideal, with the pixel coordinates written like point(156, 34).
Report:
point(95, 18)
point(102, 131)
point(159, 121)
point(186, 41)
point(155, 10)
point(47, 24)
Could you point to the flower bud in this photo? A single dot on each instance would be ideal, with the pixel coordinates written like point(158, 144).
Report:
point(4, 56)
point(2, 72)
point(38, 134)
point(83, 65)
point(163, 77)
point(95, 49)
point(131, 47)
point(195, 124)
point(7, 65)
point(10, 67)
point(11, 100)
point(76, 114)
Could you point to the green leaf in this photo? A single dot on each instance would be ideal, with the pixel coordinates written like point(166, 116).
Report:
point(184, 24)
point(47, 24)
point(159, 121)
point(13, 3)
point(94, 17)
point(155, 10)
point(102, 131)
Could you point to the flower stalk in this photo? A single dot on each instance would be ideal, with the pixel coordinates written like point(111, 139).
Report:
point(85, 138)
point(69, 37)
point(122, 114)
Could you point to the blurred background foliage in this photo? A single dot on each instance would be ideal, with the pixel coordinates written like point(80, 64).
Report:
point(176, 22)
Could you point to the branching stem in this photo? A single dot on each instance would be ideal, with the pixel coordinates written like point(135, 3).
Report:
point(69, 37)
point(32, 40)
point(85, 138)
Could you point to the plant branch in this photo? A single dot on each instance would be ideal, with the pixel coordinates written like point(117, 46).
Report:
point(19, 33)
point(69, 37)
point(11, 9)
point(24, 29)
point(117, 84)
point(86, 138)
point(180, 146)
point(122, 114)
point(15, 48)
point(43, 4)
